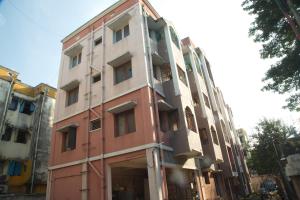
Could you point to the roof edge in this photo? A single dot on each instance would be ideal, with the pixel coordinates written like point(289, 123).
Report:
point(91, 21)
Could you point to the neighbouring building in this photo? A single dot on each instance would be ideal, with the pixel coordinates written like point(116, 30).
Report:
point(25, 128)
point(138, 115)
point(291, 151)
point(242, 134)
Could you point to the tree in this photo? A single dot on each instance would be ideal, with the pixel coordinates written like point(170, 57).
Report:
point(271, 28)
point(263, 156)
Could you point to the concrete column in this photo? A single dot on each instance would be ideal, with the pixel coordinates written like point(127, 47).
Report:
point(172, 60)
point(108, 182)
point(197, 80)
point(200, 188)
point(154, 174)
point(49, 184)
point(209, 84)
point(84, 189)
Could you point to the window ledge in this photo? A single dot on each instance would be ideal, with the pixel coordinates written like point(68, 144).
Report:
point(95, 130)
point(120, 60)
point(122, 107)
point(65, 128)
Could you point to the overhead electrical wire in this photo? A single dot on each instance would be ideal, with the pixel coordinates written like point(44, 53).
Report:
point(34, 22)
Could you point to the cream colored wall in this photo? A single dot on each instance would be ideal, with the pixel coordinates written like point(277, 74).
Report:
point(131, 43)
point(11, 149)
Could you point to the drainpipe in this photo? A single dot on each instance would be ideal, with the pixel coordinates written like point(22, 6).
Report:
point(13, 78)
point(103, 113)
point(37, 140)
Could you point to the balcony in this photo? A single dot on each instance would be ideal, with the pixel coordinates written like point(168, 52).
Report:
point(186, 143)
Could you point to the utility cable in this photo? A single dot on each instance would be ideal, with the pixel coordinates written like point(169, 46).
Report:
point(31, 20)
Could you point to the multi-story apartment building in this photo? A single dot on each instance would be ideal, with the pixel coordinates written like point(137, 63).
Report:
point(25, 128)
point(216, 127)
point(244, 141)
point(138, 115)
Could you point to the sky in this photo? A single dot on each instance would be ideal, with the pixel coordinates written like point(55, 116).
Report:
point(31, 31)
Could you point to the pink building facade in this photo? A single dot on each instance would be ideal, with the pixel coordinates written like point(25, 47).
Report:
point(126, 122)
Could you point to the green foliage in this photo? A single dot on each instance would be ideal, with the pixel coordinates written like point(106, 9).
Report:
point(263, 156)
point(278, 41)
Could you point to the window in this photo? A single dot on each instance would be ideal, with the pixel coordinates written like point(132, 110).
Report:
point(190, 119)
point(196, 100)
point(121, 33)
point(203, 136)
point(72, 96)
point(98, 41)
point(187, 62)
point(75, 60)
point(22, 136)
point(13, 104)
point(124, 123)
point(14, 168)
point(96, 78)
point(174, 37)
point(173, 120)
point(181, 75)
point(27, 107)
point(206, 100)
point(123, 72)
point(126, 30)
point(95, 124)
point(225, 132)
point(214, 136)
point(156, 72)
point(69, 139)
point(7, 133)
point(162, 121)
point(118, 35)
point(198, 64)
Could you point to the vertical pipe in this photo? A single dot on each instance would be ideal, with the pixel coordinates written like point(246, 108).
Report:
point(35, 153)
point(103, 115)
point(12, 82)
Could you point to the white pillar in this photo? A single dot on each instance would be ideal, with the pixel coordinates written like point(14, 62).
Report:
point(108, 182)
point(84, 189)
point(197, 81)
point(209, 84)
point(154, 174)
point(173, 64)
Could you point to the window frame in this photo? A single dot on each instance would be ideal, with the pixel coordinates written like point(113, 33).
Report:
point(66, 139)
point(77, 58)
point(204, 136)
point(120, 33)
point(17, 139)
point(190, 119)
point(6, 138)
point(206, 100)
point(91, 126)
point(124, 70)
point(98, 41)
point(182, 75)
point(68, 94)
point(13, 106)
point(96, 76)
point(215, 136)
point(126, 114)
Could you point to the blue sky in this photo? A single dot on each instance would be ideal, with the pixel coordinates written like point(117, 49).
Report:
point(31, 31)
